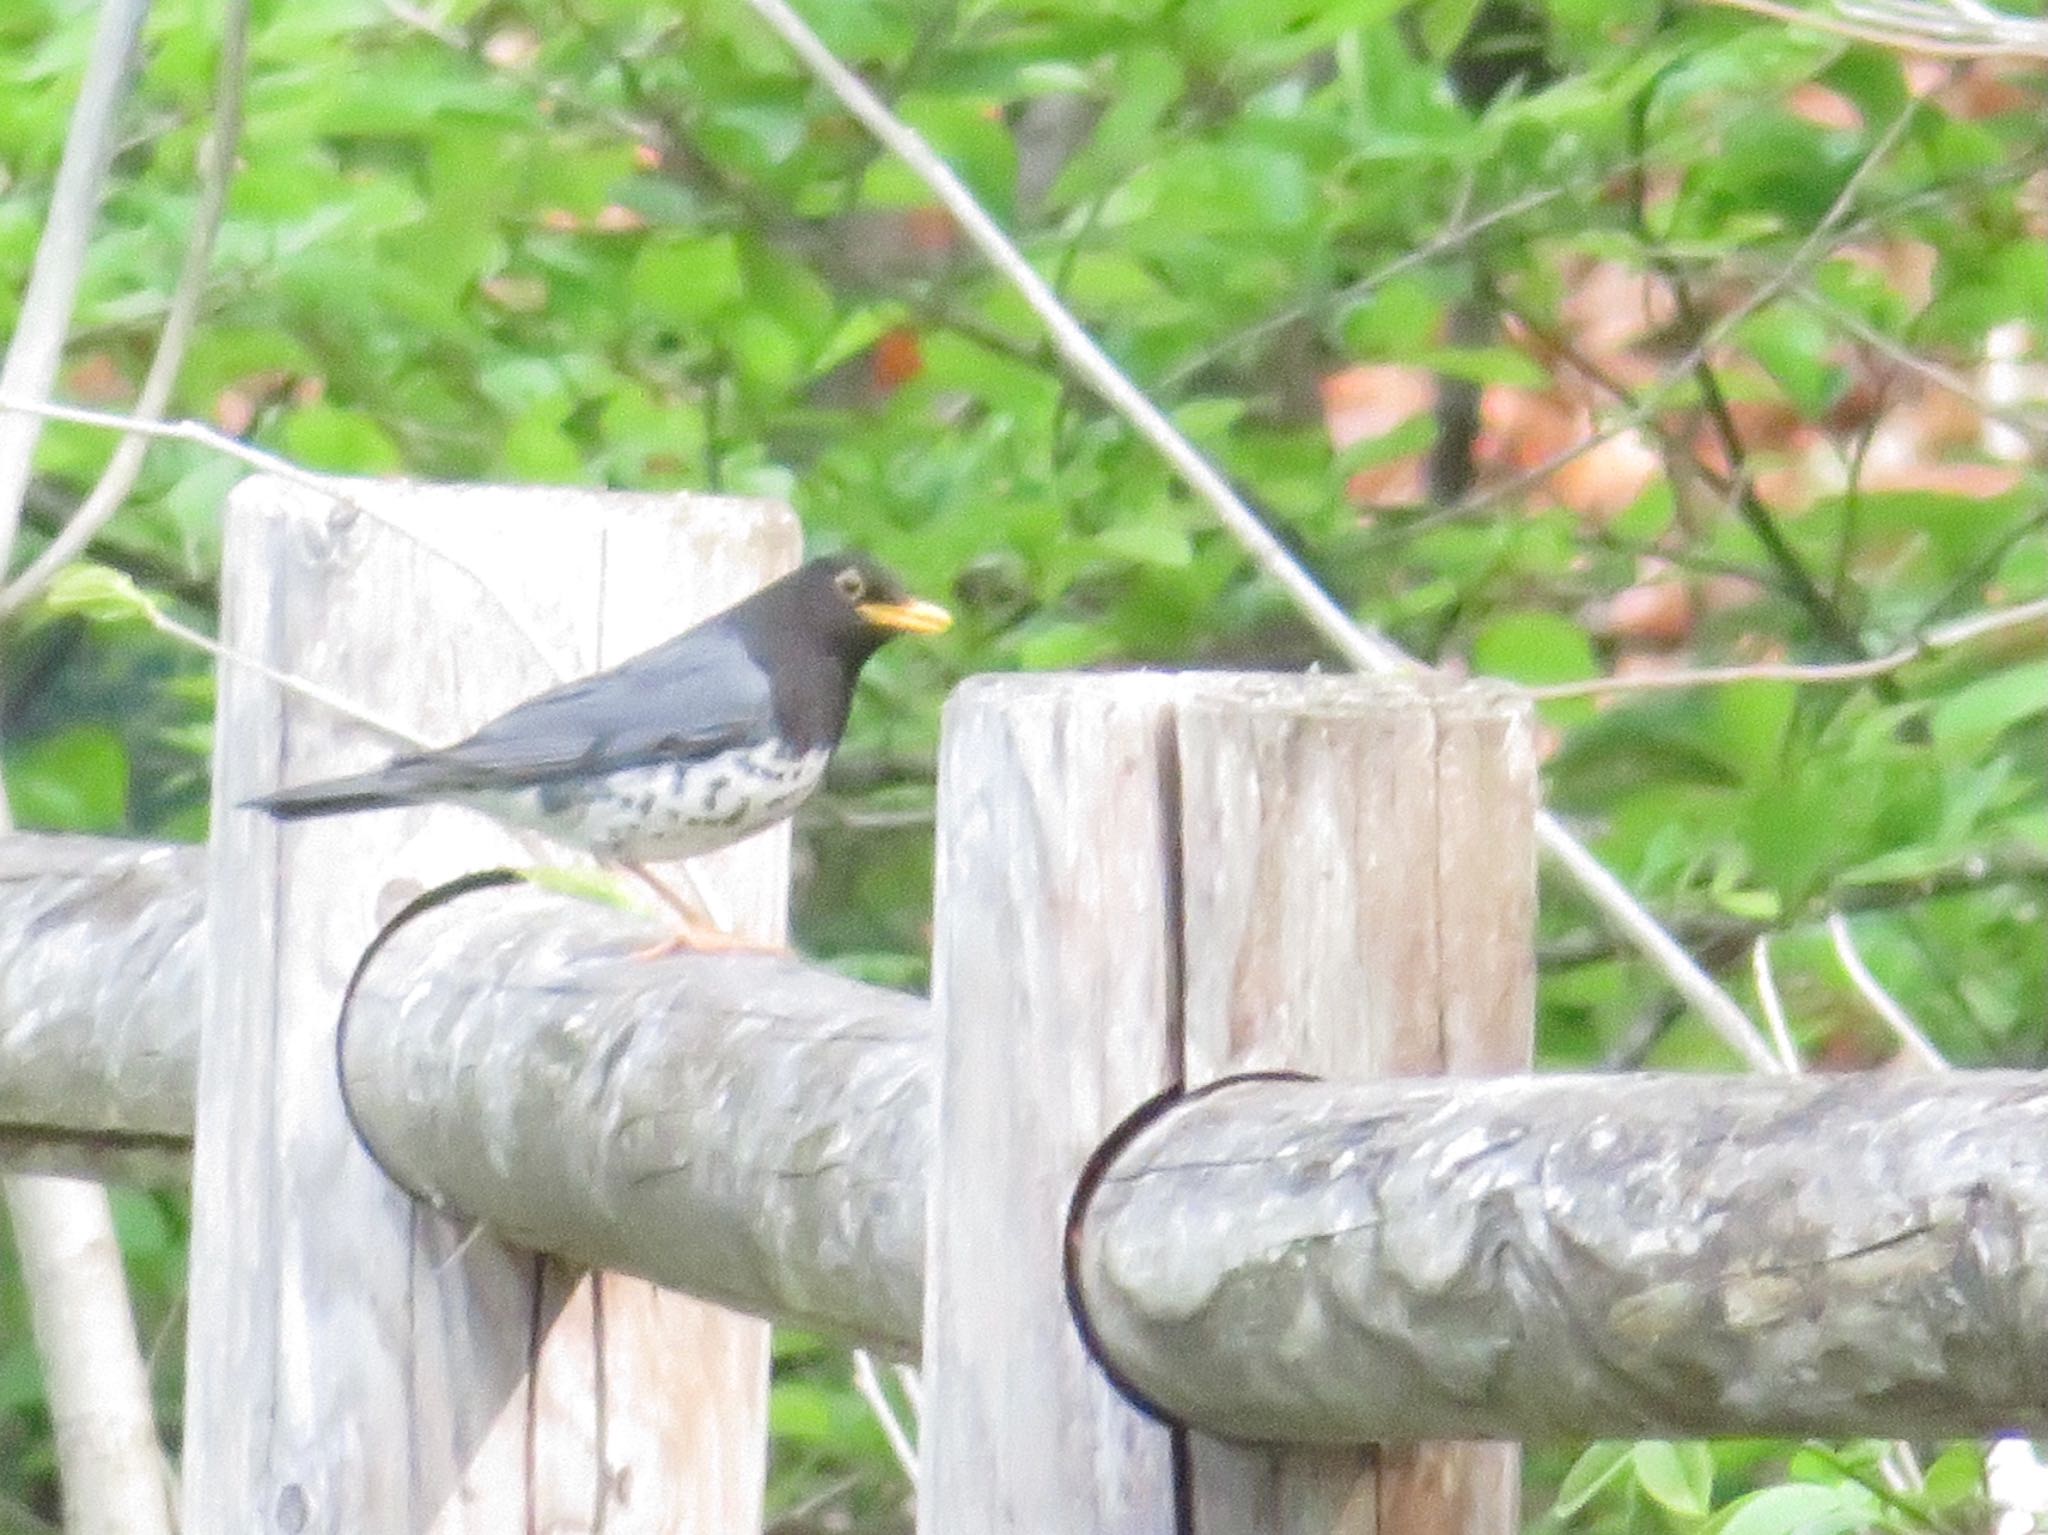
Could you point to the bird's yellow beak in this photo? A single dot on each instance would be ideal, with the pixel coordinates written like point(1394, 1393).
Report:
point(911, 616)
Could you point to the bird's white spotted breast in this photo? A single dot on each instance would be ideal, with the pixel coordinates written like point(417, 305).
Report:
point(667, 809)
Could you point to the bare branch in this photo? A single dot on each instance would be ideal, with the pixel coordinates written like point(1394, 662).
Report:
point(1367, 651)
point(1772, 1004)
point(216, 169)
point(1652, 398)
point(1948, 636)
point(334, 487)
point(1945, 379)
point(1913, 28)
point(304, 687)
point(37, 345)
point(1882, 1002)
point(869, 1383)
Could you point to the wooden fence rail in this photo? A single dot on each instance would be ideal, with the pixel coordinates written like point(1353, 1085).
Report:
point(1562, 1255)
point(99, 1006)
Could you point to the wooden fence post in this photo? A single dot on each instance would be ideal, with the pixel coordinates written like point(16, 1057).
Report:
point(1054, 978)
point(1360, 880)
point(359, 1363)
point(1145, 880)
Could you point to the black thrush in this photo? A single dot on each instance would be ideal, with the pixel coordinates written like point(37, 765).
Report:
point(684, 749)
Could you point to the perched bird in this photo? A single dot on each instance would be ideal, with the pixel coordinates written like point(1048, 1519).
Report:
point(682, 750)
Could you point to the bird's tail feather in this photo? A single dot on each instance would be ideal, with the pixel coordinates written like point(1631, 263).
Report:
point(399, 783)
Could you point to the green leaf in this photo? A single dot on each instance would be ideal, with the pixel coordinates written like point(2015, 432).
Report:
point(1799, 1508)
point(770, 359)
point(74, 780)
point(1679, 1474)
point(1971, 719)
point(1158, 543)
point(1534, 647)
point(139, 1224)
point(1750, 722)
point(1411, 437)
point(328, 437)
point(1794, 344)
point(538, 451)
point(1398, 319)
point(1062, 647)
point(685, 282)
point(1794, 831)
point(971, 135)
point(1956, 1478)
point(801, 1411)
point(1648, 516)
point(1484, 365)
point(1597, 1466)
point(1444, 24)
point(97, 594)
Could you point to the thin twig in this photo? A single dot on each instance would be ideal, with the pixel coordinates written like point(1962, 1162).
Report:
point(1721, 935)
point(1461, 234)
point(290, 682)
point(1961, 632)
point(181, 314)
point(37, 345)
point(1945, 379)
point(1821, 241)
point(1651, 398)
point(1772, 1005)
point(1882, 1002)
point(869, 1383)
point(331, 486)
point(912, 1385)
point(1748, 505)
point(1368, 652)
point(1441, 245)
point(800, 1517)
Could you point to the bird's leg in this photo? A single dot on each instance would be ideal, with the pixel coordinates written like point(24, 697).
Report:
point(693, 931)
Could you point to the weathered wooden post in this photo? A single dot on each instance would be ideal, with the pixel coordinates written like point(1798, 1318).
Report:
point(1147, 880)
point(359, 1363)
point(1055, 973)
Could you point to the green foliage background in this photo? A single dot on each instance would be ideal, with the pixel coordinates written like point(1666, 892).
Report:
point(628, 243)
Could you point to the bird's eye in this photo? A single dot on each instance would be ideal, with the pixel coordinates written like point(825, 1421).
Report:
point(850, 583)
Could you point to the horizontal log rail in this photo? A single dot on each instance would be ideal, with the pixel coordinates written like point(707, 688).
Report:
point(738, 1126)
point(1291, 1261)
point(1598, 1257)
point(99, 1006)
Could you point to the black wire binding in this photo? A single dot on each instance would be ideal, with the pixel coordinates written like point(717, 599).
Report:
point(1093, 1171)
point(418, 906)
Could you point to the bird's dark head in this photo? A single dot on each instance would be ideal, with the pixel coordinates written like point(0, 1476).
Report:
point(812, 631)
point(857, 605)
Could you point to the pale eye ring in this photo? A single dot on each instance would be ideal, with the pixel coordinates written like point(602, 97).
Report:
point(849, 582)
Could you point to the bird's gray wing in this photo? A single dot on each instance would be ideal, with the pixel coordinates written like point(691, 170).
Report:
point(697, 695)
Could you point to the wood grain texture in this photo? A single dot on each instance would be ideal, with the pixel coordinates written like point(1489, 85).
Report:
point(1583, 1257)
point(1309, 837)
point(738, 1126)
point(1055, 972)
point(99, 1006)
point(1487, 800)
point(354, 1365)
point(1339, 834)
